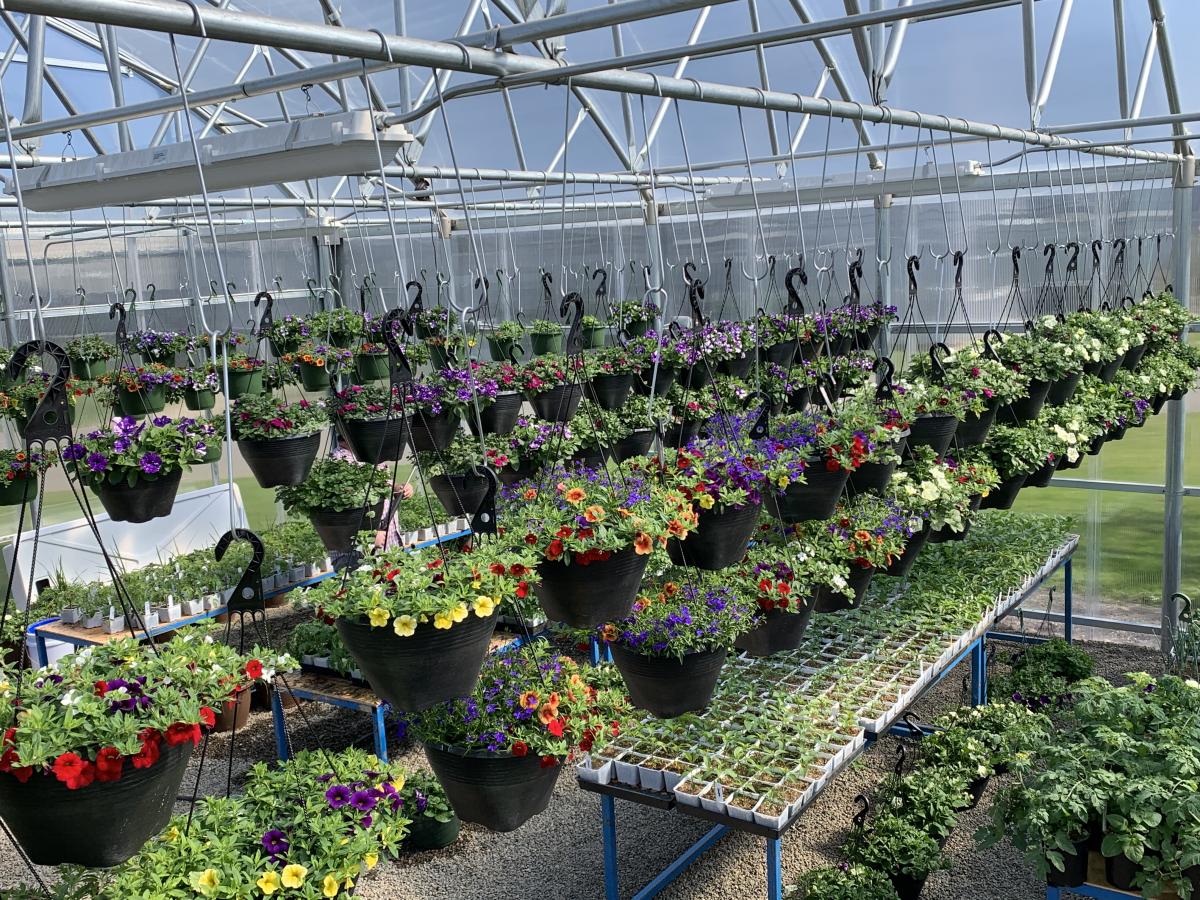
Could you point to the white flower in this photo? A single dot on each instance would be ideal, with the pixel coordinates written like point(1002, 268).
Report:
point(71, 698)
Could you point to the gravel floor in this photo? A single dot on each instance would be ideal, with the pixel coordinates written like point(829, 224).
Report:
point(559, 853)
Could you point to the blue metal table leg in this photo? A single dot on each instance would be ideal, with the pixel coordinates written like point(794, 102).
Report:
point(978, 673)
point(40, 642)
point(774, 869)
point(379, 722)
point(608, 829)
point(281, 747)
point(1068, 605)
point(1052, 893)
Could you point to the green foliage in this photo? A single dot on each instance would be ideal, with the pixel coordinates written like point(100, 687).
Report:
point(1042, 675)
point(892, 844)
point(336, 484)
point(854, 882)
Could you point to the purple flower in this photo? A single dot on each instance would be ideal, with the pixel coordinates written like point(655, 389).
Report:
point(73, 453)
point(151, 463)
point(364, 801)
point(275, 842)
point(422, 801)
point(338, 796)
point(97, 462)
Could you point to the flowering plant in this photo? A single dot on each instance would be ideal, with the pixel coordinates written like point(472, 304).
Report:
point(597, 427)
point(631, 312)
point(20, 399)
point(980, 380)
point(1171, 368)
point(360, 402)
point(866, 531)
point(83, 718)
point(262, 417)
point(289, 330)
point(133, 450)
point(611, 361)
point(551, 370)
point(1020, 449)
point(1113, 333)
point(402, 589)
point(437, 321)
point(725, 473)
point(589, 515)
point(336, 484)
point(928, 487)
point(1042, 357)
point(134, 379)
point(320, 355)
point(675, 616)
point(200, 378)
point(694, 405)
point(711, 343)
point(90, 348)
point(782, 574)
point(929, 398)
point(529, 702)
point(452, 390)
point(856, 318)
point(16, 465)
point(1161, 317)
point(1070, 428)
point(339, 323)
point(503, 373)
point(1082, 347)
point(778, 329)
point(531, 445)
point(509, 331)
point(240, 362)
point(160, 344)
point(651, 348)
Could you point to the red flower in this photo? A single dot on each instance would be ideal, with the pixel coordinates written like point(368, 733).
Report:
point(549, 762)
point(832, 465)
point(181, 732)
point(207, 716)
point(109, 763)
point(519, 748)
point(555, 550)
point(518, 570)
point(74, 771)
point(7, 764)
point(148, 755)
point(530, 540)
point(522, 589)
point(564, 532)
point(615, 728)
point(555, 727)
point(254, 669)
point(101, 688)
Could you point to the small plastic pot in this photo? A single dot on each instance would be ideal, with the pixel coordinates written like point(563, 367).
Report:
point(143, 500)
point(934, 431)
point(314, 378)
point(777, 631)
point(1075, 865)
point(337, 528)
point(720, 540)
point(1096, 445)
point(815, 499)
point(245, 383)
point(459, 494)
point(282, 461)
point(1063, 390)
point(1027, 408)
point(907, 887)
point(541, 344)
point(429, 433)
point(234, 714)
point(1005, 494)
point(610, 391)
point(496, 790)
point(591, 595)
point(829, 600)
point(426, 833)
point(636, 444)
point(557, 404)
point(431, 665)
point(666, 686)
point(376, 440)
point(500, 416)
point(197, 400)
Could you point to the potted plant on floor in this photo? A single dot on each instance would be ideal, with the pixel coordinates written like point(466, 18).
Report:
point(135, 468)
point(593, 532)
point(374, 420)
point(670, 650)
point(553, 385)
point(278, 440)
point(930, 797)
point(845, 882)
point(418, 623)
point(498, 751)
point(89, 355)
point(434, 824)
point(340, 498)
point(906, 853)
point(19, 471)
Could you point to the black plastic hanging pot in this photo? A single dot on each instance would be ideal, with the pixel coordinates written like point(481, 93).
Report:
point(871, 477)
point(429, 432)
point(1110, 369)
point(376, 440)
point(973, 429)
point(88, 369)
point(585, 596)
point(281, 461)
point(557, 404)
point(337, 528)
point(902, 564)
point(1040, 477)
point(610, 391)
point(720, 540)
point(799, 399)
point(1064, 462)
point(829, 600)
point(663, 382)
point(975, 788)
point(511, 475)
point(738, 367)
point(150, 399)
point(459, 494)
point(814, 499)
point(636, 444)
point(841, 345)
point(197, 400)
point(432, 665)
point(933, 430)
point(427, 833)
point(371, 366)
point(100, 825)
point(1096, 445)
point(907, 887)
point(697, 376)
point(1063, 390)
point(667, 686)
point(592, 457)
point(782, 354)
point(143, 500)
point(777, 631)
point(681, 434)
point(945, 533)
point(1159, 401)
point(1075, 866)
point(496, 790)
point(1027, 408)
point(19, 490)
point(500, 416)
point(1133, 356)
point(1005, 494)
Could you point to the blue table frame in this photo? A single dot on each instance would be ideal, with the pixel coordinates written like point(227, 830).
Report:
point(376, 708)
point(976, 651)
point(1089, 890)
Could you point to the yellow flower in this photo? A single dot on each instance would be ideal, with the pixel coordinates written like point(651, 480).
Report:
point(483, 606)
point(705, 501)
point(329, 887)
point(404, 626)
point(378, 617)
point(782, 481)
point(460, 612)
point(206, 882)
point(268, 883)
point(349, 883)
point(443, 620)
point(293, 875)
point(172, 834)
point(371, 859)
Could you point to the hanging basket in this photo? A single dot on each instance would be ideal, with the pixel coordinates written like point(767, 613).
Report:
point(245, 384)
point(500, 416)
point(720, 540)
point(337, 528)
point(973, 429)
point(88, 369)
point(681, 434)
point(1064, 462)
point(1110, 369)
point(19, 490)
point(511, 475)
point(1004, 496)
point(738, 367)
point(945, 533)
point(696, 376)
point(432, 665)
point(376, 440)
point(557, 404)
point(933, 430)
point(501, 348)
point(636, 444)
point(873, 476)
point(281, 461)
point(148, 400)
point(141, 501)
point(829, 600)
point(1063, 390)
point(777, 631)
point(903, 563)
point(610, 391)
point(168, 358)
point(815, 498)
point(431, 433)
point(666, 686)
point(799, 399)
point(541, 344)
point(197, 400)
point(663, 382)
point(460, 494)
point(314, 378)
point(594, 337)
point(782, 354)
point(1027, 408)
point(234, 714)
point(213, 451)
point(1133, 356)
point(496, 790)
point(371, 366)
point(100, 825)
point(1040, 478)
point(591, 595)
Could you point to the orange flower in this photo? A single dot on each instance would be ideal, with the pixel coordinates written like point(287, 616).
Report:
point(553, 699)
point(863, 537)
point(575, 495)
point(643, 544)
point(594, 513)
point(530, 494)
point(671, 588)
point(607, 633)
point(529, 700)
point(625, 514)
point(640, 603)
point(547, 714)
point(677, 528)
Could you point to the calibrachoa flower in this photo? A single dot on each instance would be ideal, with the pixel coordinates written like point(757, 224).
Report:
point(262, 417)
point(133, 449)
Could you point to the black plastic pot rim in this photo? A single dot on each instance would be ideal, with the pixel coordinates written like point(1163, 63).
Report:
point(457, 750)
